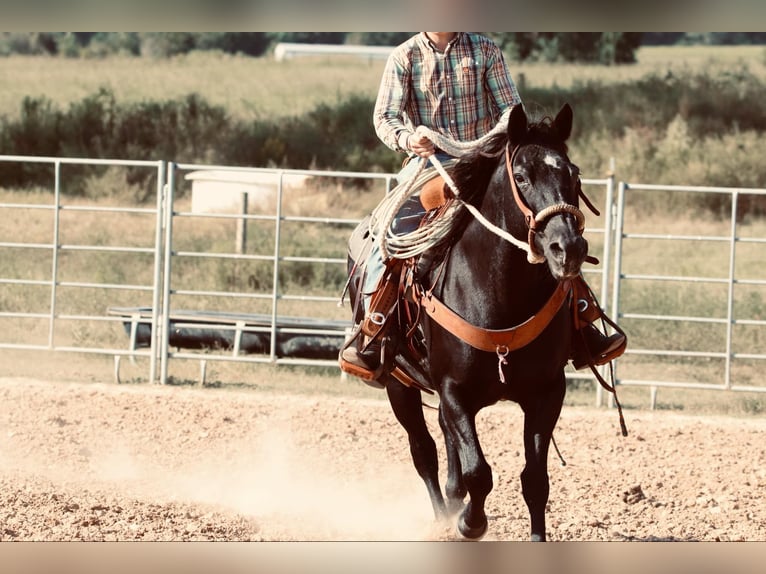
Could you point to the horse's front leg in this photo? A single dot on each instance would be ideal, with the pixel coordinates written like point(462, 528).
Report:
point(476, 473)
point(540, 416)
point(406, 402)
point(454, 488)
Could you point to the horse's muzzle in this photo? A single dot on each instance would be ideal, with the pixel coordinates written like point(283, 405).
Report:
point(565, 255)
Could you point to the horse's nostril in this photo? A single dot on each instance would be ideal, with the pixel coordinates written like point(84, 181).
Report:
point(580, 247)
point(568, 252)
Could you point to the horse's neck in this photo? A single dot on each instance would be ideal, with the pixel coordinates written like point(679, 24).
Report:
point(497, 255)
point(490, 280)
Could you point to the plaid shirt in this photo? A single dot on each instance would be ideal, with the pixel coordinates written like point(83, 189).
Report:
point(460, 93)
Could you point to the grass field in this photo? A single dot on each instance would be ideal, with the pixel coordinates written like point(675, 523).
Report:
point(253, 88)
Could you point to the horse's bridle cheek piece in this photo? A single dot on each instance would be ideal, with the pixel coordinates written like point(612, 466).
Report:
point(535, 221)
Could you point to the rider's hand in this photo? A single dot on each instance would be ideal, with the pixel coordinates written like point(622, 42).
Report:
point(420, 145)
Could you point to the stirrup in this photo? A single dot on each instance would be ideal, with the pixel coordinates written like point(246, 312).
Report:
point(369, 376)
point(588, 312)
point(589, 359)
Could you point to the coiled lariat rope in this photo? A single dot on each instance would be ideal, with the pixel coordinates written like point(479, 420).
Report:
point(433, 231)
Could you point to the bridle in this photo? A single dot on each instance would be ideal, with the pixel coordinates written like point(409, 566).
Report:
point(534, 222)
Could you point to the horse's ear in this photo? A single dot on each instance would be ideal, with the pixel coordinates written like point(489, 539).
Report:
point(517, 124)
point(563, 122)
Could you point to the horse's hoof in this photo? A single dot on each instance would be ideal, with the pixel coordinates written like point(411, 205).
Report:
point(471, 532)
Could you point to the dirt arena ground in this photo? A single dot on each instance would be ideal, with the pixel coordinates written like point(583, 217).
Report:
point(109, 462)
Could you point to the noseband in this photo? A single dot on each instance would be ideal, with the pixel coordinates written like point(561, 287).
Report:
point(534, 222)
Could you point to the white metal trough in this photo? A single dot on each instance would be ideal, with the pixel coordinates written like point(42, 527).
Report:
point(221, 191)
point(287, 50)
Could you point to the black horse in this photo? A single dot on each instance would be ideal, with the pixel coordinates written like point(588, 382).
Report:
point(523, 183)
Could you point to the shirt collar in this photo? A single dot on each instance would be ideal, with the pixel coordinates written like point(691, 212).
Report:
point(427, 41)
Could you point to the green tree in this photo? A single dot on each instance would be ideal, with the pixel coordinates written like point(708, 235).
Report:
point(310, 37)
point(29, 43)
point(249, 43)
point(618, 47)
point(166, 44)
point(593, 47)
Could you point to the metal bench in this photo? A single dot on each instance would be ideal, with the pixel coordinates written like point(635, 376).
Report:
point(236, 333)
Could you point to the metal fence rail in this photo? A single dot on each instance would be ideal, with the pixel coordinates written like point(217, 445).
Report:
point(174, 288)
point(729, 275)
point(57, 250)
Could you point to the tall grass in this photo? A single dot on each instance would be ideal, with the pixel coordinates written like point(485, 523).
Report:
point(248, 88)
point(650, 60)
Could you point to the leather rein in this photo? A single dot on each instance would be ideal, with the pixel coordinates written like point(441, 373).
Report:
point(503, 341)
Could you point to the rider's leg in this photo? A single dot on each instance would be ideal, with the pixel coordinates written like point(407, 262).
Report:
point(377, 308)
point(379, 298)
point(379, 291)
point(590, 344)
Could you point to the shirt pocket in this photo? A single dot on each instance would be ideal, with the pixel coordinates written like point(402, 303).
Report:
point(466, 75)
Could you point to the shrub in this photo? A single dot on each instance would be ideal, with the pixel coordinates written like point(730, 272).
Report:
point(698, 129)
point(250, 43)
point(166, 44)
point(37, 132)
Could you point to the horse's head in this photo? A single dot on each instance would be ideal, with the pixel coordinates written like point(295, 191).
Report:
point(546, 186)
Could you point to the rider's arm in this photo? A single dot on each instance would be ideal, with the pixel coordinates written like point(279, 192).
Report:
point(390, 105)
point(501, 90)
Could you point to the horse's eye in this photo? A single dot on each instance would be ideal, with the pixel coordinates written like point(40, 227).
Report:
point(520, 179)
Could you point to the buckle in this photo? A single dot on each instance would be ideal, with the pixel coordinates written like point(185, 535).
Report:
point(377, 318)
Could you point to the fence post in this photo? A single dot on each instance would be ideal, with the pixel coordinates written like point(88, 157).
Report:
point(241, 239)
point(730, 289)
point(607, 254)
point(156, 295)
point(164, 326)
point(55, 255)
point(617, 274)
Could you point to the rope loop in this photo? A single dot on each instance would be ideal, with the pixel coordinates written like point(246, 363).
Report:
point(432, 232)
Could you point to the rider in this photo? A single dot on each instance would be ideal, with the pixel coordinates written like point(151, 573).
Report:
point(456, 84)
